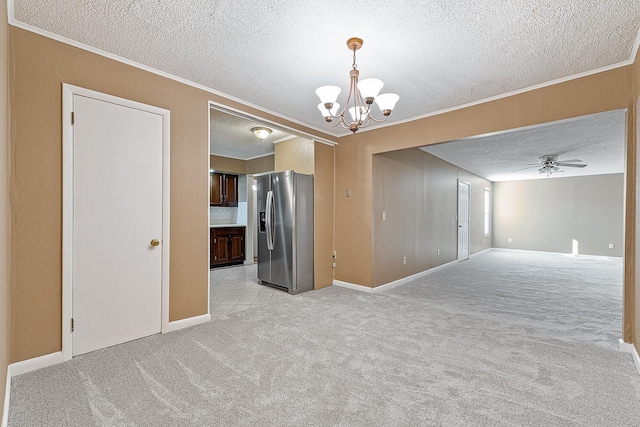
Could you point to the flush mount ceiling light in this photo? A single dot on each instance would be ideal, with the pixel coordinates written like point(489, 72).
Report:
point(361, 97)
point(261, 132)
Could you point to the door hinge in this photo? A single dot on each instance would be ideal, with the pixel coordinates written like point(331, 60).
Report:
point(73, 118)
point(72, 325)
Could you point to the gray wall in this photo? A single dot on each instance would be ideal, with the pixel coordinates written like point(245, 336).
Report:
point(547, 214)
point(418, 194)
point(242, 188)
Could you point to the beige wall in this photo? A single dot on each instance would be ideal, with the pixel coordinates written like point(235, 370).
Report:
point(295, 154)
point(548, 214)
point(596, 93)
point(323, 214)
point(418, 194)
point(38, 67)
point(261, 164)
point(314, 158)
point(253, 166)
point(4, 205)
point(226, 164)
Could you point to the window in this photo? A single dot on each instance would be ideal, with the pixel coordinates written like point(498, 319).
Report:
point(487, 212)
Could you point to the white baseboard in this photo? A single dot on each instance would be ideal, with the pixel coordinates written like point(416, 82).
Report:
point(248, 262)
point(630, 348)
point(353, 286)
point(393, 284)
point(190, 321)
point(19, 368)
point(584, 256)
point(481, 252)
point(29, 365)
point(36, 363)
point(5, 411)
point(411, 278)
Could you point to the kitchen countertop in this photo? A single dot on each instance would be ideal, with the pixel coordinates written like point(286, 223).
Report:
point(226, 225)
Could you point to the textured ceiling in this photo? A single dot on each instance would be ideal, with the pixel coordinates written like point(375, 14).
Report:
point(598, 140)
point(231, 136)
point(436, 54)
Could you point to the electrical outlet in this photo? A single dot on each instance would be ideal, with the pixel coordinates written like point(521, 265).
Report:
point(384, 216)
point(612, 246)
point(509, 240)
point(348, 192)
point(404, 260)
point(438, 252)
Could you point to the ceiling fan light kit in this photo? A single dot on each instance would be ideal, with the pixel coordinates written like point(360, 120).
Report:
point(362, 95)
point(550, 164)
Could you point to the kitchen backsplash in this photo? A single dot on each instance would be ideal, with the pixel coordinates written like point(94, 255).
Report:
point(222, 215)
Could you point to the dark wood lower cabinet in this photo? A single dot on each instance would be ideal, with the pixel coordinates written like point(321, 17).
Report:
point(227, 246)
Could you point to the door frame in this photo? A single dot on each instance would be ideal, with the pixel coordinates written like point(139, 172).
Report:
point(468, 184)
point(68, 92)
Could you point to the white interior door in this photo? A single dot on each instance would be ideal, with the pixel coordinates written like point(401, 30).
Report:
point(117, 212)
point(463, 220)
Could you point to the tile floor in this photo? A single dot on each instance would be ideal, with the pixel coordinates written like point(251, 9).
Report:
point(236, 288)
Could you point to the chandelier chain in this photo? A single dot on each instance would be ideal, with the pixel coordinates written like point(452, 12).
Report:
point(354, 58)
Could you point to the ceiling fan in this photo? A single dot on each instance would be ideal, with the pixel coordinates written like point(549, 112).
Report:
point(549, 164)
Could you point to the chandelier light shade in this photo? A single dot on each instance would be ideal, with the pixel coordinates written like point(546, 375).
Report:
point(333, 110)
point(261, 132)
point(362, 95)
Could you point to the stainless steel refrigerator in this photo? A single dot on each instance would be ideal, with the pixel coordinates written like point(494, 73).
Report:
point(285, 231)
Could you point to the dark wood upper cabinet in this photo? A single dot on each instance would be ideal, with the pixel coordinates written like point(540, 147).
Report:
point(223, 189)
point(231, 190)
point(216, 185)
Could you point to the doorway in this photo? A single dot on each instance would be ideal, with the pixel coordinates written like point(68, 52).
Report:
point(464, 189)
point(115, 220)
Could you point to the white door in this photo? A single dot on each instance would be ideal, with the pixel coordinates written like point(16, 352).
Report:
point(117, 212)
point(463, 220)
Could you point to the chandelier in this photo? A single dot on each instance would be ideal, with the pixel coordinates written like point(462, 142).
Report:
point(361, 96)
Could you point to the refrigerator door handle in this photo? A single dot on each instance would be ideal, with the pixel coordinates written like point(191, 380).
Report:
point(269, 220)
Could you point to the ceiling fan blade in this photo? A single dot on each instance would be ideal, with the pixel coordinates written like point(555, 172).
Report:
point(528, 167)
point(570, 161)
point(571, 165)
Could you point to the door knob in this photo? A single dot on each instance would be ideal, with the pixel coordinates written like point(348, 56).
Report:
point(155, 242)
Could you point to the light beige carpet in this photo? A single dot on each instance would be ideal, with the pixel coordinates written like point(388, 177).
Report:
point(504, 339)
